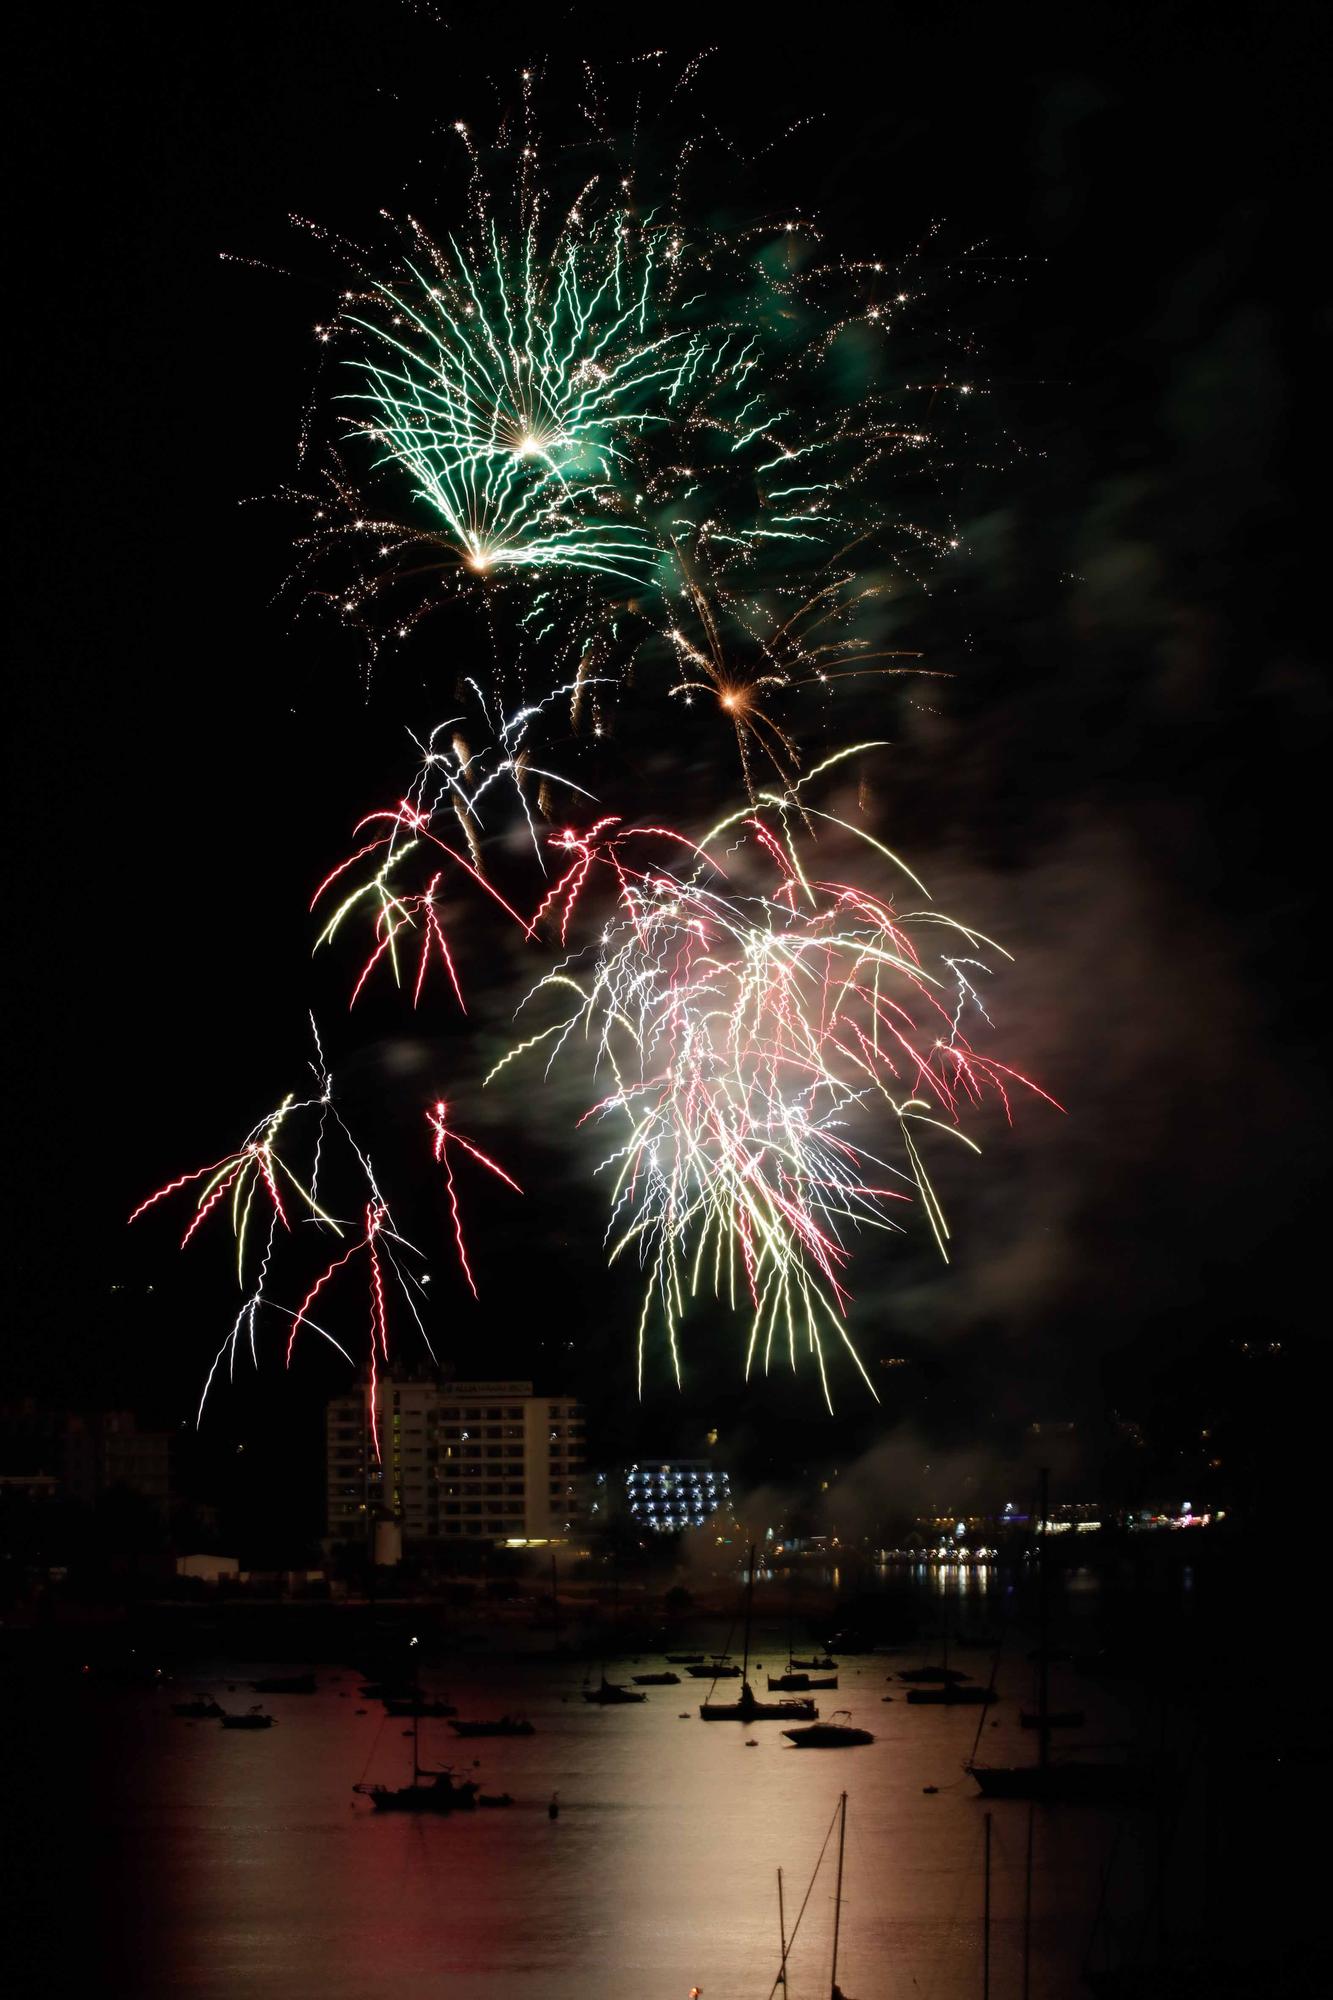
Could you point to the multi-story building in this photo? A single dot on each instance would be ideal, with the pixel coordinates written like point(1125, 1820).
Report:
point(676, 1493)
point(106, 1450)
point(473, 1461)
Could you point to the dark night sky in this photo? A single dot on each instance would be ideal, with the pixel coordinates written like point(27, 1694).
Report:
point(1123, 780)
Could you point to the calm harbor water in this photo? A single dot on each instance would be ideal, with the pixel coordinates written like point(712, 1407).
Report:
point(247, 1869)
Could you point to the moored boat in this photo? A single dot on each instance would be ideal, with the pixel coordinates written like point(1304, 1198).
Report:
point(748, 1707)
point(607, 1694)
point(830, 1735)
point(504, 1725)
point(952, 1696)
point(441, 1795)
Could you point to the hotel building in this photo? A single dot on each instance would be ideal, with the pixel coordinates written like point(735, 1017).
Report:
point(470, 1461)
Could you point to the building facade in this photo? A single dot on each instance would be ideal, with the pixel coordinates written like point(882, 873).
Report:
point(107, 1451)
point(470, 1461)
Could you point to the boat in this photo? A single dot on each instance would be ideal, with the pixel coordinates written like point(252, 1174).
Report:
point(253, 1718)
point(830, 1735)
point(788, 1940)
point(953, 1696)
point(1058, 1718)
point(721, 1671)
point(429, 1791)
point(285, 1684)
point(948, 1675)
point(1077, 1781)
point(826, 1665)
point(608, 1694)
point(748, 1707)
point(656, 1680)
point(793, 1683)
point(505, 1725)
point(201, 1709)
point(441, 1795)
point(397, 1704)
point(684, 1659)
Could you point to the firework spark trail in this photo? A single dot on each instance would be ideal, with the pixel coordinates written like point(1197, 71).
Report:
point(255, 1163)
point(445, 1136)
point(409, 912)
point(750, 1033)
point(256, 1167)
point(459, 770)
point(598, 845)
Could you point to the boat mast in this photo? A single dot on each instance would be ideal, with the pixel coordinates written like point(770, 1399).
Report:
point(837, 1898)
point(1043, 1665)
point(782, 1935)
point(416, 1723)
point(749, 1605)
point(1027, 1903)
point(985, 1923)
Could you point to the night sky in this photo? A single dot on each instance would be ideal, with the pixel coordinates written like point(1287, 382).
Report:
point(1123, 777)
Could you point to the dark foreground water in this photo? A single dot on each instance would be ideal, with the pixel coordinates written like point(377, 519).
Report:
point(230, 1866)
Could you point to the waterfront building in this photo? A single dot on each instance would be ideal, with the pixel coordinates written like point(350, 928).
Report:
point(460, 1461)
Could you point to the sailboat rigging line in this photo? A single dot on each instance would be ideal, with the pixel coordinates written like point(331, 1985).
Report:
point(370, 1755)
point(718, 1658)
point(1100, 1910)
point(782, 1969)
point(984, 1709)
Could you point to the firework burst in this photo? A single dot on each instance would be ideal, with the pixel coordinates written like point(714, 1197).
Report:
point(767, 1033)
point(692, 462)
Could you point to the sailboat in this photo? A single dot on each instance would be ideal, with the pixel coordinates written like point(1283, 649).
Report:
point(749, 1708)
point(944, 1675)
point(1074, 1782)
point(835, 1991)
point(952, 1695)
point(609, 1694)
point(796, 1676)
point(441, 1795)
point(945, 1686)
point(417, 1704)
